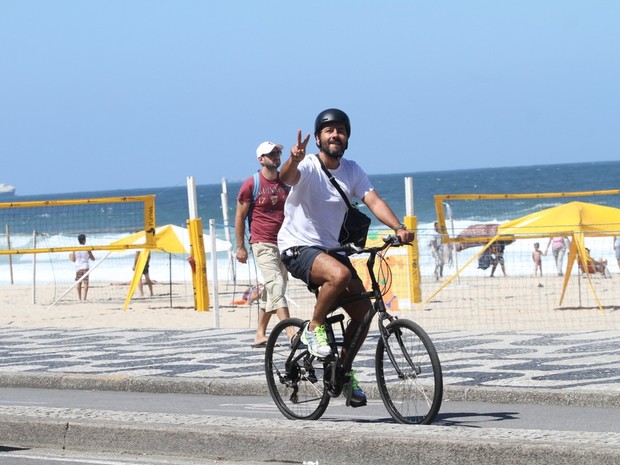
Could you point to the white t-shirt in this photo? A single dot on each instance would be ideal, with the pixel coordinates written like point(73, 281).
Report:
point(314, 210)
point(81, 260)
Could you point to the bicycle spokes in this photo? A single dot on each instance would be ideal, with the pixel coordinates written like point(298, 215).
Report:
point(294, 377)
point(409, 373)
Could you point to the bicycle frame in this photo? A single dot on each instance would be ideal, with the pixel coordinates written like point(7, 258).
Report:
point(378, 306)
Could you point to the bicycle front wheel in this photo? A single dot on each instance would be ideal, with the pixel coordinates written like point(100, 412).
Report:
point(294, 377)
point(408, 373)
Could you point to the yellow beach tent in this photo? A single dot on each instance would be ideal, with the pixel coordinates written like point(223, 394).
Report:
point(574, 219)
point(170, 239)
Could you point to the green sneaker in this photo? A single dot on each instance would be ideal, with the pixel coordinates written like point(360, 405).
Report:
point(316, 341)
point(354, 393)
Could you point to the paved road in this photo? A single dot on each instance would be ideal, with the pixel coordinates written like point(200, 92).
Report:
point(463, 414)
point(513, 368)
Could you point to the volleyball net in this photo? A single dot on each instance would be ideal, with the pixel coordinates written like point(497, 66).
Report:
point(56, 224)
point(492, 262)
point(37, 238)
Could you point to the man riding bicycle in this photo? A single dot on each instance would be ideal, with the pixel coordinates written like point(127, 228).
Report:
point(314, 213)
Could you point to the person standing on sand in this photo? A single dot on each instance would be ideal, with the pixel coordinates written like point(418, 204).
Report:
point(263, 207)
point(145, 273)
point(537, 258)
point(81, 258)
point(436, 252)
point(442, 253)
point(559, 246)
point(497, 257)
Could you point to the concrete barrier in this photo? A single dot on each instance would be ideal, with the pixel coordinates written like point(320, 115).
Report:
point(297, 441)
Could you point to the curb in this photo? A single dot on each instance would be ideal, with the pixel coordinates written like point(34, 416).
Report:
point(258, 387)
point(225, 438)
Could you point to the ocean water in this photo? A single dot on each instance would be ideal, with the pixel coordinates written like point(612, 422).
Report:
point(172, 208)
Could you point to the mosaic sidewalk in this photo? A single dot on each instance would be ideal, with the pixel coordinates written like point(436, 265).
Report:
point(577, 360)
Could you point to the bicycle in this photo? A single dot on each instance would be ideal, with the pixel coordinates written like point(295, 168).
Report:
point(407, 367)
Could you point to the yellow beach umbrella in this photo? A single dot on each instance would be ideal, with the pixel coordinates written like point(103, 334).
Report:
point(170, 239)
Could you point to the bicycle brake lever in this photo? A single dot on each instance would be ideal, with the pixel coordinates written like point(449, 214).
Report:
point(353, 248)
point(392, 239)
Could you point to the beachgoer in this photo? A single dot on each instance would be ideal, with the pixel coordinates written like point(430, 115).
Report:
point(441, 252)
point(265, 213)
point(145, 274)
point(314, 213)
point(617, 249)
point(559, 246)
point(537, 258)
point(594, 266)
point(497, 257)
point(81, 258)
point(485, 260)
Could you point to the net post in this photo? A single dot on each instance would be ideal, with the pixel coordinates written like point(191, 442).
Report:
point(197, 256)
point(413, 253)
point(216, 298)
point(149, 219)
point(199, 273)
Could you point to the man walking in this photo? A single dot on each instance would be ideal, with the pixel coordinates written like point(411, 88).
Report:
point(261, 201)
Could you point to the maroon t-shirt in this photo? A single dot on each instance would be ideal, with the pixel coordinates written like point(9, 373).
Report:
point(267, 213)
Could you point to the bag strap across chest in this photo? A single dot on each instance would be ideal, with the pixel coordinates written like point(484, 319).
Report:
point(335, 183)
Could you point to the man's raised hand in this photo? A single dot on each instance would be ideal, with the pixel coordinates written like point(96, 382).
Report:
point(298, 151)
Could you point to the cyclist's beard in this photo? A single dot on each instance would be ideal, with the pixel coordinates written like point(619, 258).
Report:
point(338, 153)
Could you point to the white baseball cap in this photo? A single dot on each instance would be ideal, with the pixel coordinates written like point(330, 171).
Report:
point(267, 147)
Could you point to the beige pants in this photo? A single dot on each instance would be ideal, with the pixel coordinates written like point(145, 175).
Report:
point(274, 273)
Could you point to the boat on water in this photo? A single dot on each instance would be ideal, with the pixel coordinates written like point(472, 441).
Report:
point(6, 190)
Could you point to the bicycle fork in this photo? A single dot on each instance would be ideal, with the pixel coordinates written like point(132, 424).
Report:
point(388, 350)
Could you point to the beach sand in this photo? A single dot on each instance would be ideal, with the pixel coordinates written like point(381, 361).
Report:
point(473, 304)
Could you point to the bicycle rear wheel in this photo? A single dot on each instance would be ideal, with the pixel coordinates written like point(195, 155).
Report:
point(294, 377)
point(408, 373)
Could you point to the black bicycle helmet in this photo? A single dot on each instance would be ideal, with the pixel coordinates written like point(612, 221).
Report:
point(332, 115)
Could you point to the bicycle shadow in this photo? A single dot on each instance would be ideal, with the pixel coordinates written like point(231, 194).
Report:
point(469, 419)
point(463, 419)
point(12, 449)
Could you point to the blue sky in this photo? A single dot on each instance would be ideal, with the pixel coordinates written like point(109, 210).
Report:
point(98, 95)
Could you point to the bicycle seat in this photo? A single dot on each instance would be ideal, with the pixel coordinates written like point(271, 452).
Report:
point(334, 319)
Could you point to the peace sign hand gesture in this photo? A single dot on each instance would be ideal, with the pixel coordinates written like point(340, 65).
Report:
point(298, 151)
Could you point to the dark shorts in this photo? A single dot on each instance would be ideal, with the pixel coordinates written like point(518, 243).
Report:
point(298, 261)
point(80, 273)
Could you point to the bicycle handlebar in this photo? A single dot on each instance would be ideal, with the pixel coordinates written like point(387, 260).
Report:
point(350, 248)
